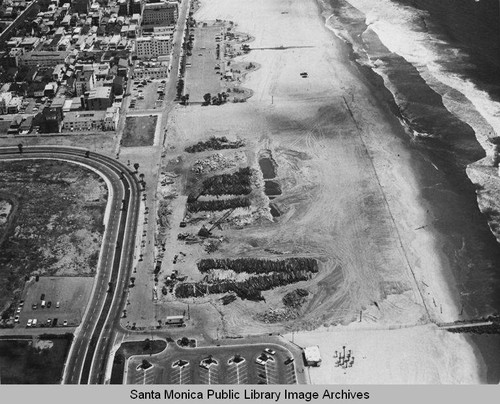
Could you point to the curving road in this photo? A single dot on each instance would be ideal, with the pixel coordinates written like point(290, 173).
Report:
point(90, 349)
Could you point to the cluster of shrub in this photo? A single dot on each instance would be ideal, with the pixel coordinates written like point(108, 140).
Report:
point(214, 143)
point(218, 204)
point(259, 266)
point(237, 183)
point(250, 289)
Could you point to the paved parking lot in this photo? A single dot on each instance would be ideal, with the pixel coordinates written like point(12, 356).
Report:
point(145, 96)
point(72, 293)
point(220, 365)
point(201, 76)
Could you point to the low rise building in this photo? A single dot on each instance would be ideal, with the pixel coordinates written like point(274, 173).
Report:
point(85, 81)
point(101, 98)
point(85, 121)
point(158, 70)
point(312, 356)
point(44, 58)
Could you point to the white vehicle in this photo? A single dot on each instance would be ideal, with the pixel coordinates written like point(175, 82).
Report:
point(57, 305)
point(269, 351)
point(42, 305)
point(16, 319)
point(33, 324)
point(30, 321)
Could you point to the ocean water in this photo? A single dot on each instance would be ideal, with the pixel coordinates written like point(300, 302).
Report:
point(438, 62)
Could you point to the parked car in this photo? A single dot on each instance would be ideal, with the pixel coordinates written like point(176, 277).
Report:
point(49, 303)
point(34, 306)
point(42, 297)
point(58, 305)
point(28, 324)
point(269, 351)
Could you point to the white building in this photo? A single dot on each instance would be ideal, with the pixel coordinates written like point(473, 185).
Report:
point(312, 356)
point(153, 70)
point(4, 102)
point(152, 46)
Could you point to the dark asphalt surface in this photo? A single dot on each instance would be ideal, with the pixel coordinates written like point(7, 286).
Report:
point(182, 366)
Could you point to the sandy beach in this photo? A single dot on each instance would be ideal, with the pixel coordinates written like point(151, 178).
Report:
point(350, 197)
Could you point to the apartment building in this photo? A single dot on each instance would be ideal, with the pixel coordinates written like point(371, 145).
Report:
point(152, 46)
point(162, 13)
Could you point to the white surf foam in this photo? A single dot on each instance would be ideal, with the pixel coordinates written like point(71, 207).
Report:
point(402, 30)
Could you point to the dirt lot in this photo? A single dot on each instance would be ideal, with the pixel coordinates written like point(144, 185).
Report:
point(102, 142)
point(33, 361)
point(139, 131)
point(58, 226)
point(72, 294)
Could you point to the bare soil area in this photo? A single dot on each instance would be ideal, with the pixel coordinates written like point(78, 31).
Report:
point(58, 226)
point(139, 131)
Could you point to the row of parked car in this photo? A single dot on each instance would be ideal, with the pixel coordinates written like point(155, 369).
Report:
point(33, 322)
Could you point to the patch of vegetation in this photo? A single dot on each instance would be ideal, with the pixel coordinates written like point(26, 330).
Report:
point(22, 363)
point(58, 225)
point(127, 349)
point(139, 131)
point(237, 183)
point(259, 266)
point(249, 289)
point(164, 211)
point(214, 143)
point(218, 204)
point(185, 342)
point(295, 298)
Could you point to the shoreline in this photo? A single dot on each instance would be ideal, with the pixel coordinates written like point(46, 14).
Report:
point(377, 80)
point(405, 182)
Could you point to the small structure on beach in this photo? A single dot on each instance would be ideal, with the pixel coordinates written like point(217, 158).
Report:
point(312, 356)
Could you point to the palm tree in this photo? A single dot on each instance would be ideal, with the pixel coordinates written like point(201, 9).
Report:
point(136, 166)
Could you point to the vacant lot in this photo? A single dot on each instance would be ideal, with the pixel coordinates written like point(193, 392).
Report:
point(30, 361)
point(72, 293)
point(58, 225)
point(139, 131)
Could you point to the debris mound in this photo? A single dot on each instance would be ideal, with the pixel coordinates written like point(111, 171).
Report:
point(295, 298)
point(214, 143)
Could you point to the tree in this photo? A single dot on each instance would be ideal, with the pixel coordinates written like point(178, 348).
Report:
point(141, 176)
point(136, 166)
point(20, 147)
point(207, 97)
